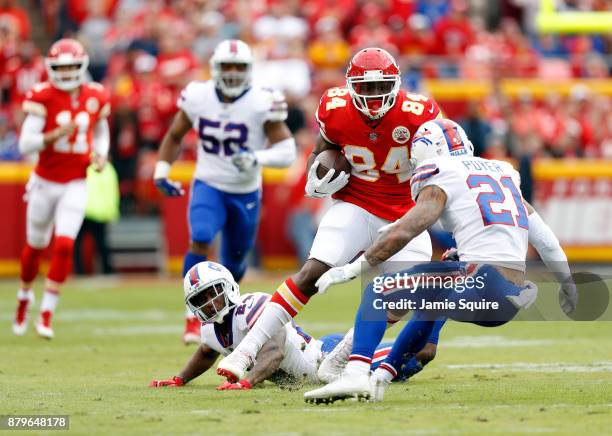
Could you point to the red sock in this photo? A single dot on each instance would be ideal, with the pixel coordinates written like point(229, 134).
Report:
point(61, 259)
point(30, 262)
point(290, 298)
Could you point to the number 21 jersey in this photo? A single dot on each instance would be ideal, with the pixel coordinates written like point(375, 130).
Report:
point(484, 207)
point(225, 129)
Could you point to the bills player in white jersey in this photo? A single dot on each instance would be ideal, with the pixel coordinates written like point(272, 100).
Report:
point(213, 295)
point(480, 202)
point(291, 356)
point(241, 129)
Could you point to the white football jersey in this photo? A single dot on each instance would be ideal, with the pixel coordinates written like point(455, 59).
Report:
point(302, 352)
point(225, 129)
point(484, 209)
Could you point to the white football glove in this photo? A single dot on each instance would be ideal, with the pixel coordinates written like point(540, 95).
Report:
point(568, 296)
point(244, 161)
point(320, 188)
point(340, 274)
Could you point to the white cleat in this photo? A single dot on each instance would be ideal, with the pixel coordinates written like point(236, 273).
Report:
point(44, 331)
point(332, 366)
point(43, 328)
point(347, 386)
point(378, 385)
point(19, 329)
point(234, 366)
point(20, 323)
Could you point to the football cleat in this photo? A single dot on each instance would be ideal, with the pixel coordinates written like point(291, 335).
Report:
point(43, 328)
point(347, 386)
point(20, 323)
point(332, 366)
point(378, 384)
point(234, 366)
point(192, 331)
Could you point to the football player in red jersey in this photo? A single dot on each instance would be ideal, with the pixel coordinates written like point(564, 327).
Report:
point(66, 124)
point(372, 121)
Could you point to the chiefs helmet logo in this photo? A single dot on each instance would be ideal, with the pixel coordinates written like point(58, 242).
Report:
point(401, 134)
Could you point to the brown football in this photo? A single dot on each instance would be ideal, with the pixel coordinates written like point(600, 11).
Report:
point(332, 159)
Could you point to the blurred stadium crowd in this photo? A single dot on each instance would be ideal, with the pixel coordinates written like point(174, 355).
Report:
point(146, 51)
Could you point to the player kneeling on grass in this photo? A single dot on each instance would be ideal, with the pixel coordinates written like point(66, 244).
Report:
point(480, 202)
point(290, 356)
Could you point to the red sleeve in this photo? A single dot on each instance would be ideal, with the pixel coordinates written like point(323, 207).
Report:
point(329, 113)
point(420, 108)
point(36, 100)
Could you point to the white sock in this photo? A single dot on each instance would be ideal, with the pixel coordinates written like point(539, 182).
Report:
point(25, 294)
point(271, 320)
point(357, 367)
point(49, 302)
point(383, 375)
point(189, 314)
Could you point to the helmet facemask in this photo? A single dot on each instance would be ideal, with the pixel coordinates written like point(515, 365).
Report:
point(67, 75)
point(374, 93)
point(232, 78)
point(210, 302)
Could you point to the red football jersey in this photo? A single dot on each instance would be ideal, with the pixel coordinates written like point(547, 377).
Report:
point(379, 151)
point(68, 158)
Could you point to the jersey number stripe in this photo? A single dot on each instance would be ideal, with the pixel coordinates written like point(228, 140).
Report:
point(486, 199)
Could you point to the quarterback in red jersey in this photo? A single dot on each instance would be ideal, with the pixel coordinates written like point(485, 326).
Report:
point(371, 121)
point(66, 125)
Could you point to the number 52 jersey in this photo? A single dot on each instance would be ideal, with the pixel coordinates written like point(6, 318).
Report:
point(225, 129)
point(484, 207)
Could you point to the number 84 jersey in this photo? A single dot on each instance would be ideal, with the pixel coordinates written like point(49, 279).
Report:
point(225, 129)
point(378, 151)
point(68, 158)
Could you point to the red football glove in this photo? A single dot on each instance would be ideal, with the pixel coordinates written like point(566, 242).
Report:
point(174, 381)
point(242, 385)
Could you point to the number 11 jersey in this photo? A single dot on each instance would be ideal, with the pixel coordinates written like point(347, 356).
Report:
point(68, 158)
point(227, 128)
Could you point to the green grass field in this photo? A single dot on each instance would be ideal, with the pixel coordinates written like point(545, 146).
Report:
point(113, 336)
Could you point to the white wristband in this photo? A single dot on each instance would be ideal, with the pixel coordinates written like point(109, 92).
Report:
point(162, 170)
point(357, 266)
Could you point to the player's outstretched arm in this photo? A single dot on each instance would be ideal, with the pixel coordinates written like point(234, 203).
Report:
point(429, 206)
point(542, 238)
point(268, 361)
point(168, 152)
point(203, 358)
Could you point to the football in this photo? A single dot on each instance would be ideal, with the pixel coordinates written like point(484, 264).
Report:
point(332, 159)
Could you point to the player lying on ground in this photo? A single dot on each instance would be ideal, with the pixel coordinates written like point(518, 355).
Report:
point(66, 125)
point(371, 121)
point(241, 129)
point(290, 356)
point(468, 195)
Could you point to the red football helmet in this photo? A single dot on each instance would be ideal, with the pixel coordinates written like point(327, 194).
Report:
point(67, 64)
point(373, 80)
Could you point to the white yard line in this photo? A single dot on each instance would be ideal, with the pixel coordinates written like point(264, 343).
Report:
point(604, 366)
